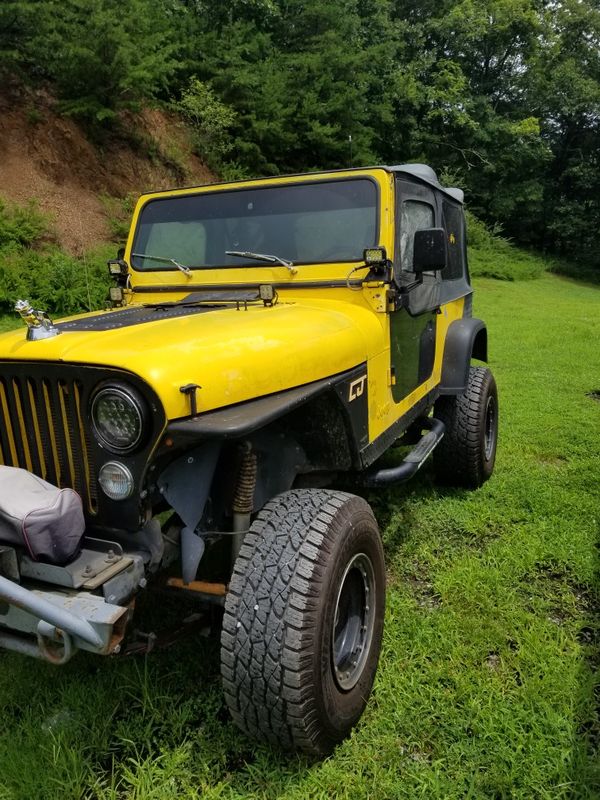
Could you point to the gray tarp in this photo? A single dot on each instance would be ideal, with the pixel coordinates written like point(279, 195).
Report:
point(46, 520)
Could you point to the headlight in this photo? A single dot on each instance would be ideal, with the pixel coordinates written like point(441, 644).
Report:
point(118, 418)
point(116, 481)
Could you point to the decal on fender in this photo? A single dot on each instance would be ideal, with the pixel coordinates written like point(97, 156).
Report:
point(357, 387)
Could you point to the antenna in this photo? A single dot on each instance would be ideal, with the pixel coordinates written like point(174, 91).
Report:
point(85, 266)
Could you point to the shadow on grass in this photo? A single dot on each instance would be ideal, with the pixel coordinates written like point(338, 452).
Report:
point(585, 762)
point(106, 728)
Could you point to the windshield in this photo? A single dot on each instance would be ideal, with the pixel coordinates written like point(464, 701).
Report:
point(321, 221)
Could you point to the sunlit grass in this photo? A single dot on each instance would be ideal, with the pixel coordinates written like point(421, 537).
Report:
point(487, 677)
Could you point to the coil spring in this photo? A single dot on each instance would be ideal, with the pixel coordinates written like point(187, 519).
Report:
point(243, 500)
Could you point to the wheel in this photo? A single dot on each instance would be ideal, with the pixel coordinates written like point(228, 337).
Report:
point(304, 619)
point(466, 455)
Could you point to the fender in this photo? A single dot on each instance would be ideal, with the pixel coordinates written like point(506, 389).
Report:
point(466, 339)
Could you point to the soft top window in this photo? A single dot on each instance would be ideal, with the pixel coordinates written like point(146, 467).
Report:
point(320, 221)
point(455, 229)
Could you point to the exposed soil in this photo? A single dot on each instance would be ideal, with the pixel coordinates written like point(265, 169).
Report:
point(49, 157)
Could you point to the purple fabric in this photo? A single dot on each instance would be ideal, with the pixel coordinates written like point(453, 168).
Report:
point(48, 521)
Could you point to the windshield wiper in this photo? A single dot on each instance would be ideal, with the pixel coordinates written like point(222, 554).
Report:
point(186, 270)
point(263, 257)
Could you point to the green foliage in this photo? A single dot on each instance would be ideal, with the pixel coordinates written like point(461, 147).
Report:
point(54, 280)
point(505, 94)
point(576, 270)
point(119, 211)
point(493, 256)
point(33, 267)
point(101, 55)
point(18, 22)
point(21, 225)
point(209, 119)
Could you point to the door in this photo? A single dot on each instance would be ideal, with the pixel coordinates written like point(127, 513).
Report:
point(413, 329)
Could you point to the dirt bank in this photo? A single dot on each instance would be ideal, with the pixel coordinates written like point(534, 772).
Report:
point(49, 157)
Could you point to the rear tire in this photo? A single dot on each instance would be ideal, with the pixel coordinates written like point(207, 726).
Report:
point(467, 453)
point(303, 620)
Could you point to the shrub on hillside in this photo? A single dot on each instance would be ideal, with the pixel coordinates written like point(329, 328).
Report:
point(210, 121)
point(53, 280)
point(493, 256)
point(22, 225)
point(33, 267)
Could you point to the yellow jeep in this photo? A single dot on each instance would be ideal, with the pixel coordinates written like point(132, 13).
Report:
point(268, 341)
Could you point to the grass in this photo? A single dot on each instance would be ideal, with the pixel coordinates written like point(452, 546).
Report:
point(487, 685)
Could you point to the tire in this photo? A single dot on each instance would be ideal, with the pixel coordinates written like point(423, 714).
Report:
point(466, 455)
point(287, 679)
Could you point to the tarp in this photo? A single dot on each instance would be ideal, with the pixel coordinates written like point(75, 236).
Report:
point(46, 520)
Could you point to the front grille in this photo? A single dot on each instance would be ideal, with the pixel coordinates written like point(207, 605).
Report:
point(42, 430)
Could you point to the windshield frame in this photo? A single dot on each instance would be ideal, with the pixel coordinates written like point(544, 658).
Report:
point(250, 186)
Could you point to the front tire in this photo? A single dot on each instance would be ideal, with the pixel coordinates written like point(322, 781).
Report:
point(304, 620)
point(467, 453)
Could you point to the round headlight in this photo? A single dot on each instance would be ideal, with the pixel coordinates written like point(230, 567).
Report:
point(118, 418)
point(116, 480)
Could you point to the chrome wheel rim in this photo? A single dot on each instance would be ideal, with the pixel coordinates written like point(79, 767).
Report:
point(354, 622)
point(490, 428)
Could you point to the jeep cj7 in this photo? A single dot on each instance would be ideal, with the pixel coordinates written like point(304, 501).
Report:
point(267, 342)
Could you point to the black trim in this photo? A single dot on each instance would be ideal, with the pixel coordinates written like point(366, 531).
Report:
point(466, 339)
point(385, 440)
point(245, 187)
point(135, 315)
point(244, 418)
point(468, 306)
point(337, 284)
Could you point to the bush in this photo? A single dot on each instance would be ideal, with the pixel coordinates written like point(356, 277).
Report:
point(22, 225)
point(577, 271)
point(493, 256)
point(119, 211)
point(53, 280)
point(209, 119)
point(33, 267)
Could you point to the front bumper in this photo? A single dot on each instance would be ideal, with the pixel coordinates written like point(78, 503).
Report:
point(87, 605)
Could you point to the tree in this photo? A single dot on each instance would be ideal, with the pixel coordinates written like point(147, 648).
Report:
point(104, 55)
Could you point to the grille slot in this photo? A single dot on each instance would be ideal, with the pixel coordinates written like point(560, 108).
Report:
point(42, 430)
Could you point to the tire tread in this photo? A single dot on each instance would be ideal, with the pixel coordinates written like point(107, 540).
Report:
point(458, 458)
point(271, 608)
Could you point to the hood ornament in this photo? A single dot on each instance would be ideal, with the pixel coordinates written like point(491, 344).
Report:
point(39, 324)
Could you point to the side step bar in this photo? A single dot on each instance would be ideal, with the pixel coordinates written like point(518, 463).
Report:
point(414, 460)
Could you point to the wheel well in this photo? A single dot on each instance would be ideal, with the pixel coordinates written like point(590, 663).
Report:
point(480, 345)
point(321, 428)
point(466, 339)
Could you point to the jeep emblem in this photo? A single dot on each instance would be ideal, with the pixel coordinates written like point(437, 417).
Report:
point(357, 387)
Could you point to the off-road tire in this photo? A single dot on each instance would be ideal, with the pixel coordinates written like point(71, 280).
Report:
point(277, 650)
point(466, 455)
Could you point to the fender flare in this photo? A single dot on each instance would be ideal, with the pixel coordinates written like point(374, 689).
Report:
point(466, 339)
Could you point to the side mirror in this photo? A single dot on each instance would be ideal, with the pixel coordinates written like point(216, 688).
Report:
point(430, 251)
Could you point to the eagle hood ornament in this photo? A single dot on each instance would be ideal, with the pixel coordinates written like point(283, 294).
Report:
point(39, 324)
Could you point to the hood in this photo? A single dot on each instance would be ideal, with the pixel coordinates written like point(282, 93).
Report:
point(232, 354)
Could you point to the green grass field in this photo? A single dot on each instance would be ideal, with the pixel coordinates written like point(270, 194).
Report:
point(488, 683)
